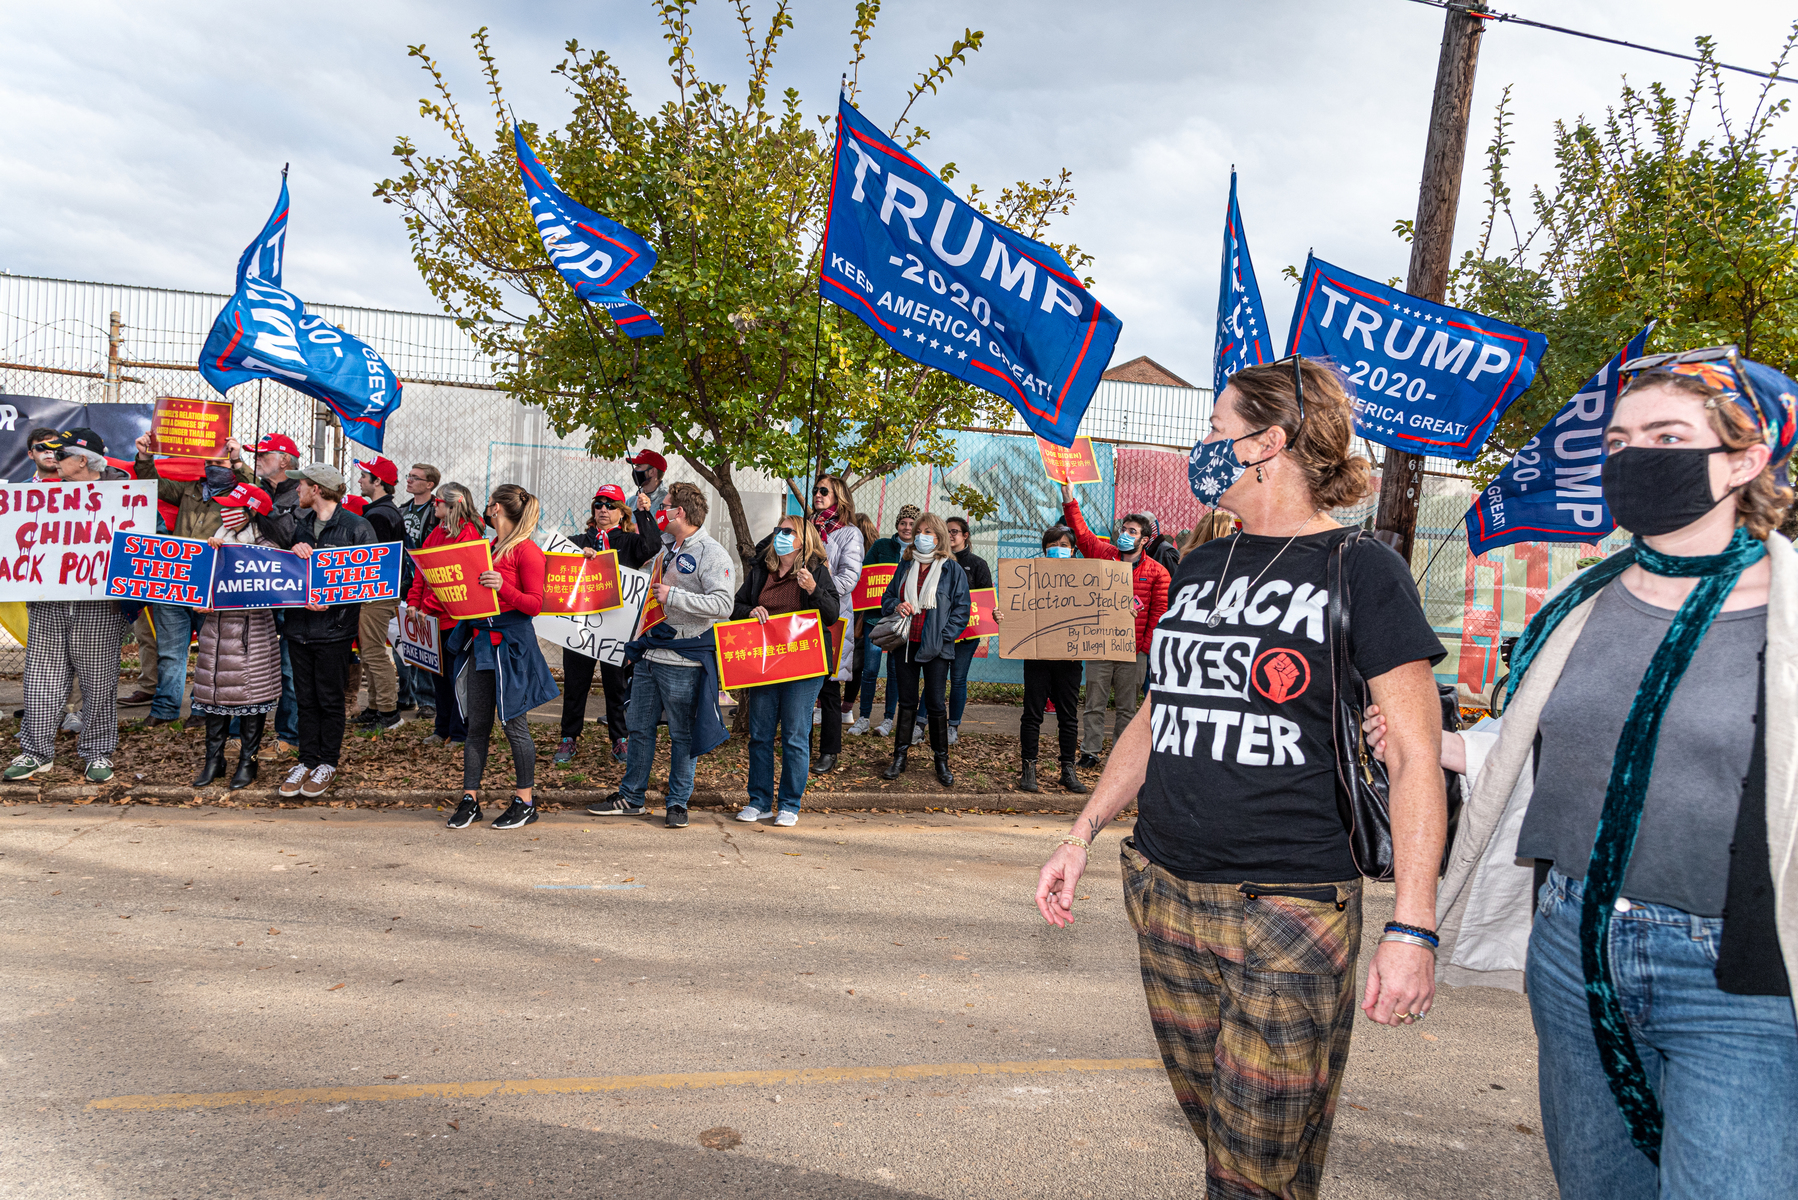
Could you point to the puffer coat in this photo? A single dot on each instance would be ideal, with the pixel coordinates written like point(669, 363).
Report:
point(239, 657)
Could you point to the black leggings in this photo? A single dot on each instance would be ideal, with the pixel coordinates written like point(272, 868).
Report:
point(1046, 680)
point(577, 685)
point(481, 701)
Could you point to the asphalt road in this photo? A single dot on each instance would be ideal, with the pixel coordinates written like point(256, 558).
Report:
point(202, 1002)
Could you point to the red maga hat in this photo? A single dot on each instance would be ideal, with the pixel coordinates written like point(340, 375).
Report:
point(649, 458)
point(609, 491)
point(355, 503)
point(277, 442)
point(382, 469)
point(248, 495)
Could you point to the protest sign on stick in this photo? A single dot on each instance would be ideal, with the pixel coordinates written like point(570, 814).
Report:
point(872, 585)
point(421, 642)
point(258, 577)
point(981, 603)
point(451, 572)
point(356, 574)
point(152, 568)
point(187, 428)
point(1066, 608)
point(57, 538)
point(1070, 464)
point(601, 635)
point(779, 650)
point(575, 585)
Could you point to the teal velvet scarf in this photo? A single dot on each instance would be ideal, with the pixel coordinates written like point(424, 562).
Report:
point(1621, 816)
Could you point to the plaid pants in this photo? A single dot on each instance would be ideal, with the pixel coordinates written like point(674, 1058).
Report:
point(1251, 991)
point(67, 639)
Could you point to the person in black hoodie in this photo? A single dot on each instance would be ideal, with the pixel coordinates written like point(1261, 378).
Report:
point(609, 528)
point(318, 637)
point(980, 576)
point(1162, 548)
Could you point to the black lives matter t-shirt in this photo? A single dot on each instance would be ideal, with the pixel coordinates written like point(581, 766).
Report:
point(1241, 781)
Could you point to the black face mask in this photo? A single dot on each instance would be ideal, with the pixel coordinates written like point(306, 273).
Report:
point(1656, 490)
point(639, 477)
point(219, 482)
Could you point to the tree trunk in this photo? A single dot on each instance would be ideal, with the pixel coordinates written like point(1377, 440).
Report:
point(719, 476)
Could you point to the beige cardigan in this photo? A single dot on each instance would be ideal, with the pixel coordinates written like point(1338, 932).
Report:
point(1484, 904)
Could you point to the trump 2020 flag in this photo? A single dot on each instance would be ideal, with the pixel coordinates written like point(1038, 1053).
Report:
point(944, 286)
point(598, 257)
point(1242, 339)
point(1552, 490)
point(265, 332)
point(1428, 379)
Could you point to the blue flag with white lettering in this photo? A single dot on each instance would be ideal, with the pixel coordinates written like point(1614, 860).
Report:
point(1242, 338)
point(950, 289)
point(595, 255)
point(1552, 490)
point(1428, 379)
point(265, 332)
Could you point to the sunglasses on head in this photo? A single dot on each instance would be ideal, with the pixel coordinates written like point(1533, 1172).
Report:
point(1298, 380)
point(1727, 355)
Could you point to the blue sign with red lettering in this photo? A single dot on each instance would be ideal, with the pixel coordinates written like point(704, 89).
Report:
point(356, 574)
point(148, 568)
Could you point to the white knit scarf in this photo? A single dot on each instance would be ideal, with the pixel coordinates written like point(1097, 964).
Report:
point(930, 582)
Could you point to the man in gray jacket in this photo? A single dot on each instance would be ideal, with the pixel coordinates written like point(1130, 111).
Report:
point(694, 587)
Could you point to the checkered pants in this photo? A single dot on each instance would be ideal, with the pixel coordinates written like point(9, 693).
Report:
point(72, 638)
point(1251, 991)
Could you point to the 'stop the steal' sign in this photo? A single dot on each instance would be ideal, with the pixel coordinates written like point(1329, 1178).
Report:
point(188, 572)
point(1428, 379)
point(150, 568)
point(356, 574)
point(956, 292)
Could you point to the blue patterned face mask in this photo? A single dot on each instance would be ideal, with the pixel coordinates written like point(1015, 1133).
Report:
point(1213, 468)
point(1059, 552)
point(783, 542)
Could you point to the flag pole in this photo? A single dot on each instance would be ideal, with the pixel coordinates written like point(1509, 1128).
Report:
point(587, 324)
point(816, 447)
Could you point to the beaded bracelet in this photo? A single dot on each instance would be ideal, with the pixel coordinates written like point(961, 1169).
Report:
point(1076, 840)
point(1417, 931)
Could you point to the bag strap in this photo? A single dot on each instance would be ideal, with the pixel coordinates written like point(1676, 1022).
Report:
point(1341, 679)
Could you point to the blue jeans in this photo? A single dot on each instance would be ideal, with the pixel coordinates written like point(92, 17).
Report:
point(1724, 1067)
point(871, 676)
point(415, 688)
point(790, 704)
point(287, 712)
point(654, 687)
point(958, 678)
point(175, 627)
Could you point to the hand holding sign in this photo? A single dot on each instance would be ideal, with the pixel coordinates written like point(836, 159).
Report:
point(355, 574)
point(187, 428)
point(452, 572)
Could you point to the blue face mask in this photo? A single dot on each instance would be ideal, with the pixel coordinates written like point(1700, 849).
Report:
point(1125, 541)
point(925, 545)
point(783, 542)
point(1213, 468)
point(1059, 552)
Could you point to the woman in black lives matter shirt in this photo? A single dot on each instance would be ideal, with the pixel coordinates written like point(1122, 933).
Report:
point(1238, 879)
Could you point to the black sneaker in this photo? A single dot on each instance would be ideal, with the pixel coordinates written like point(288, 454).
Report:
point(676, 818)
point(1087, 762)
point(517, 815)
point(612, 806)
point(467, 813)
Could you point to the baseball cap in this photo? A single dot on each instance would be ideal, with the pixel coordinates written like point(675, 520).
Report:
point(355, 503)
point(382, 469)
point(649, 458)
point(323, 474)
point(78, 438)
point(248, 495)
point(609, 491)
point(277, 442)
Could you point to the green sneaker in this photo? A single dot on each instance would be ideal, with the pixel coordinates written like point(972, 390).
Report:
point(25, 766)
point(99, 770)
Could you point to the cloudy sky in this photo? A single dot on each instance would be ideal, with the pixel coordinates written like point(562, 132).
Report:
point(143, 140)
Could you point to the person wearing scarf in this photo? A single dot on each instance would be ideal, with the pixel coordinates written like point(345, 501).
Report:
point(833, 516)
point(237, 667)
point(1646, 762)
point(931, 588)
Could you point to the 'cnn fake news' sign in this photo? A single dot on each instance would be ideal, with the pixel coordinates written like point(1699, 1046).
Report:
point(56, 538)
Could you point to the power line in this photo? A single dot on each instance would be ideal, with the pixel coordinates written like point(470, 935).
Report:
point(1489, 15)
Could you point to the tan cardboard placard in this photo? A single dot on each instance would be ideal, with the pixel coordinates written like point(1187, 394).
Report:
point(1066, 608)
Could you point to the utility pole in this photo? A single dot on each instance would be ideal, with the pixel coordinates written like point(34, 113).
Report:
point(110, 389)
point(1432, 242)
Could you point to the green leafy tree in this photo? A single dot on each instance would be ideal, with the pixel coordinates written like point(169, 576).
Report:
point(734, 196)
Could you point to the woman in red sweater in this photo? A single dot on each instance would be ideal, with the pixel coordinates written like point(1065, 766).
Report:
point(457, 521)
point(500, 667)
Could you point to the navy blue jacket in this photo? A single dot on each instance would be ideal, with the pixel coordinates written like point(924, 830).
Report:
point(942, 624)
point(506, 644)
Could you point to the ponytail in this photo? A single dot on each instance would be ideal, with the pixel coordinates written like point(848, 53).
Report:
point(522, 509)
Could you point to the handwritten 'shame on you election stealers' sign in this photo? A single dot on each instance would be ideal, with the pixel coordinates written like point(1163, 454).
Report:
point(56, 538)
point(1066, 608)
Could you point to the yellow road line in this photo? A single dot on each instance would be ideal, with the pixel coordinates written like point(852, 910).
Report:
point(618, 1083)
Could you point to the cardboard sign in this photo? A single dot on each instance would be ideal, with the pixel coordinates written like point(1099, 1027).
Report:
point(421, 642)
point(356, 574)
point(653, 612)
point(575, 585)
point(1066, 608)
point(56, 538)
point(451, 572)
point(1070, 464)
point(601, 635)
point(152, 568)
point(980, 615)
point(872, 585)
point(784, 648)
point(258, 577)
point(190, 428)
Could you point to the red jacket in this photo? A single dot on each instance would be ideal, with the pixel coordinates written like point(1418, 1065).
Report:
point(421, 597)
point(1150, 579)
point(521, 574)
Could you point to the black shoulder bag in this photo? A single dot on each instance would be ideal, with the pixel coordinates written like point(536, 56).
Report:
point(1362, 787)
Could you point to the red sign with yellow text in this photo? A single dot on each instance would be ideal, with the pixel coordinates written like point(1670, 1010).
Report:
point(451, 572)
point(190, 428)
point(577, 586)
point(1070, 464)
point(872, 585)
point(981, 604)
point(783, 648)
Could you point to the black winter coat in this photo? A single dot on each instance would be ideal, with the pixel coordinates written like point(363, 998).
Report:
point(385, 516)
point(824, 598)
point(338, 622)
point(634, 547)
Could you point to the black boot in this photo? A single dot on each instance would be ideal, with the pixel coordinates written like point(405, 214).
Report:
point(1069, 780)
point(939, 748)
point(247, 748)
point(902, 733)
point(1027, 777)
point(214, 765)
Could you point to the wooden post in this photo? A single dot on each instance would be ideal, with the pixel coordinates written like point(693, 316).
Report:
point(1432, 242)
point(113, 340)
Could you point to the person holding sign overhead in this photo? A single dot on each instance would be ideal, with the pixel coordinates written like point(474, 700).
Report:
point(833, 515)
point(457, 521)
point(980, 578)
point(931, 588)
point(237, 671)
point(500, 668)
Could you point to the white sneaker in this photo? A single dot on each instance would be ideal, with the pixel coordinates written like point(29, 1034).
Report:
point(884, 729)
point(291, 785)
point(817, 717)
point(750, 813)
point(954, 734)
point(860, 727)
point(918, 734)
point(786, 820)
point(848, 718)
point(71, 723)
point(319, 782)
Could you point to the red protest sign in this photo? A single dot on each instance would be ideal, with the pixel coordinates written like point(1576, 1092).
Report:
point(1070, 464)
point(451, 572)
point(838, 633)
point(190, 428)
point(577, 586)
point(653, 613)
point(872, 585)
point(780, 650)
point(981, 604)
